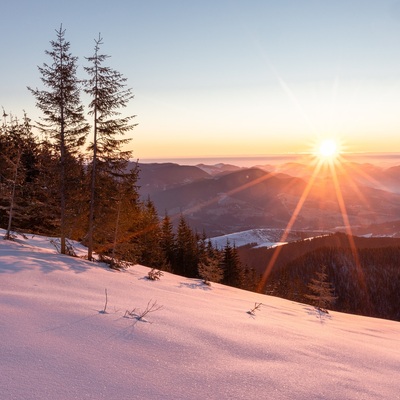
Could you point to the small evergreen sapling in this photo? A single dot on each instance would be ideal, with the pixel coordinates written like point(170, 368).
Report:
point(322, 296)
point(154, 274)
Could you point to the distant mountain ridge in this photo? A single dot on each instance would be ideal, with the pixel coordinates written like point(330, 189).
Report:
point(223, 199)
point(156, 177)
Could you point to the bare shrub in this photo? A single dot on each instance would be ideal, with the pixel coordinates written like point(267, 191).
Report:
point(139, 315)
point(257, 307)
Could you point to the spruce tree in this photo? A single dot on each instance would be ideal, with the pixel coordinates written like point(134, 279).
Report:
point(19, 172)
point(232, 267)
point(323, 293)
point(186, 250)
point(118, 213)
point(168, 242)
point(63, 119)
point(210, 270)
point(44, 202)
point(108, 92)
point(124, 207)
point(13, 174)
point(148, 237)
point(34, 207)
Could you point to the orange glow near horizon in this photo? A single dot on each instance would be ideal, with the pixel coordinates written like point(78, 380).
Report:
point(327, 154)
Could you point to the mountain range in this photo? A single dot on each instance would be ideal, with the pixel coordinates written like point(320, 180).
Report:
point(221, 199)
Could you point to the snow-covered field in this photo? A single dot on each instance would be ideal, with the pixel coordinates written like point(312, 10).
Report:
point(55, 342)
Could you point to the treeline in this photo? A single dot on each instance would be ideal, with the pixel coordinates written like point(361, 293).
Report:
point(259, 257)
point(59, 183)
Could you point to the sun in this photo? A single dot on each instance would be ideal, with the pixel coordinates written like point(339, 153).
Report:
point(328, 149)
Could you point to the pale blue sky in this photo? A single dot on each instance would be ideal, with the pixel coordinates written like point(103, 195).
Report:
point(226, 77)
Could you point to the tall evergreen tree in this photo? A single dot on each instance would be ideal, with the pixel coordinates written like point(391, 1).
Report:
point(167, 242)
point(35, 208)
point(209, 268)
point(119, 206)
point(44, 201)
point(232, 267)
point(12, 174)
point(148, 238)
point(63, 119)
point(186, 250)
point(19, 172)
point(109, 94)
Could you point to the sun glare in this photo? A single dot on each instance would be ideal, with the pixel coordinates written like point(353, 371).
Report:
point(328, 149)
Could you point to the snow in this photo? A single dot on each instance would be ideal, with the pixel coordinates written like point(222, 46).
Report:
point(260, 237)
point(57, 344)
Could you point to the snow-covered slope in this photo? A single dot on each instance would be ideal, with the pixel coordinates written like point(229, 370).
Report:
point(259, 237)
point(57, 344)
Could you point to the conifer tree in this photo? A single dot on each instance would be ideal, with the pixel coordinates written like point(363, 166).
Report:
point(210, 269)
point(123, 208)
point(118, 212)
point(231, 265)
point(167, 242)
point(186, 250)
point(12, 157)
point(34, 207)
point(18, 162)
point(63, 119)
point(44, 208)
point(148, 238)
point(323, 294)
point(108, 91)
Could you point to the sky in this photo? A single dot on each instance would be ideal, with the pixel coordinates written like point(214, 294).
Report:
point(226, 77)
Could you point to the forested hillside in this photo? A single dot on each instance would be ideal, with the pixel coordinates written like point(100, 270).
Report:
point(365, 277)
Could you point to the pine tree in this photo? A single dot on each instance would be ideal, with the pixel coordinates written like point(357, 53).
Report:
point(167, 242)
point(187, 259)
point(44, 215)
point(251, 279)
point(125, 207)
point(108, 91)
point(210, 270)
point(149, 236)
point(34, 207)
point(12, 157)
point(323, 294)
point(18, 153)
point(63, 118)
point(118, 214)
point(232, 267)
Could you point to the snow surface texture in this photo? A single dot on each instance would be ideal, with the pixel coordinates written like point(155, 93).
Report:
point(56, 343)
